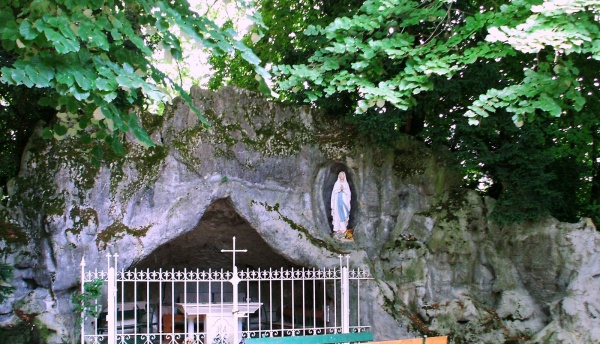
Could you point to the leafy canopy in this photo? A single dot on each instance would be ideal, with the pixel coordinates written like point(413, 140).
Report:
point(390, 51)
point(396, 67)
point(93, 59)
point(284, 42)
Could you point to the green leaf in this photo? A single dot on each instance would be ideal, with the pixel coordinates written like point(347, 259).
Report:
point(249, 56)
point(82, 79)
point(99, 39)
point(360, 65)
point(97, 152)
point(546, 103)
point(20, 77)
point(61, 44)
point(100, 134)
point(139, 133)
point(263, 88)
point(106, 84)
point(27, 30)
point(84, 121)
point(125, 81)
point(63, 25)
point(176, 53)
point(35, 77)
point(578, 103)
point(78, 93)
point(46, 72)
point(72, 104)
point(312, 30)
point(331, 65)
point(65, 76)
point(47, 133)
point(116, 145)
point(85, 139)
point(116, 35)
point(117, 119)
point(60, 130)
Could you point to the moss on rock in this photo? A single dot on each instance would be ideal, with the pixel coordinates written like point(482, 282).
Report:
point(315, 241)
point(81, 218)
point(26, 332)
point(12, 235)
point(118, 230)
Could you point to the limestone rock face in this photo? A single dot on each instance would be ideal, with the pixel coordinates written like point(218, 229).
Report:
point(263, 173)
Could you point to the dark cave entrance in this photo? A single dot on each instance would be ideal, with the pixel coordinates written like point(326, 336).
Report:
point(201, 247)
point(281, 298)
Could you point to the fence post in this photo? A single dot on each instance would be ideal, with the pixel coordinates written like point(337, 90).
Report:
point(345, 288)
point(111, 300)
point(82, 291)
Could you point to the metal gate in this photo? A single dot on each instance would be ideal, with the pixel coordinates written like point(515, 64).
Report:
point(219, 306)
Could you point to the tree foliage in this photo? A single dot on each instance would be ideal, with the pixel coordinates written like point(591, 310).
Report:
point(510, 88)
point(285, 40)
point(91, 60)
point(389, 52)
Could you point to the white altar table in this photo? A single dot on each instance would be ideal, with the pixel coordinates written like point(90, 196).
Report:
point(220, 319)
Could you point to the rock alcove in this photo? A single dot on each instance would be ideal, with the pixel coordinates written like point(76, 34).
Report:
point(200, 248)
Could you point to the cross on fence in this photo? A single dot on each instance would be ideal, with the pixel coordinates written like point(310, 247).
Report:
point(234, 251)
point(235, 280)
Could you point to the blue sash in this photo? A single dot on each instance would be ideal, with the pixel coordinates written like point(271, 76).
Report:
point(342, 209)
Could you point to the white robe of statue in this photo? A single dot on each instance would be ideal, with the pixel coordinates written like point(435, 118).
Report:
point(340, 204)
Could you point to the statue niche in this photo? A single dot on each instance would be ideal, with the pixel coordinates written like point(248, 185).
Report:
point(340, 203)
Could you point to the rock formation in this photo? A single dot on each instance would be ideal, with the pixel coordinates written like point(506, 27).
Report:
point(263, 172)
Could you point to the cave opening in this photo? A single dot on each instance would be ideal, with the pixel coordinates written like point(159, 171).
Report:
point(281, 301)
point(200, 248)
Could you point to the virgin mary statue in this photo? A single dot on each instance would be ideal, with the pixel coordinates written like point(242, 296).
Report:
point(340, 204)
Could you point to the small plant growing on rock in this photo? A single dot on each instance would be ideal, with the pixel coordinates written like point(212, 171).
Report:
point(86, 302)
point(6, 275)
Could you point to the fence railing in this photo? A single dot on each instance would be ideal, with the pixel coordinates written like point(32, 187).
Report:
point(219, 306)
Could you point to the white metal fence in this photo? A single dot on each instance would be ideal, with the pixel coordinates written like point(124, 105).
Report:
point(218, 306)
